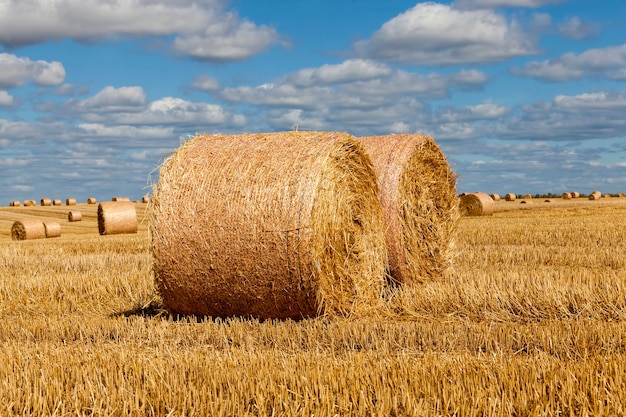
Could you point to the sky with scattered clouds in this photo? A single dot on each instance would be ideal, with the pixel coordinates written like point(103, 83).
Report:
point(523, 96)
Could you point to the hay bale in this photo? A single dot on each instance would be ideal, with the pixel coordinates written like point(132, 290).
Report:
point(417, 191)
point(29, 228)
point(290, 227)
point(566, 196)
point(528, 196)
point(510, 197)
point(117, 217)
point(29, 203)
point(120, 199)
point(74, 216)
point(495, 197)
point(91, 200)
point(596, 195)
point(145, 199)
point(15, 203)
point(52, 228)
point(45, 202)
point(575, 194)
point(70, 201)
point(56, 202)
point(477, 204)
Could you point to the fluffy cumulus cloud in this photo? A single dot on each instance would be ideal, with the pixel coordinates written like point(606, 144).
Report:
point(202, 29)
point(606, 62)
point(6, 99)
point(16, 71)
point(437, 34)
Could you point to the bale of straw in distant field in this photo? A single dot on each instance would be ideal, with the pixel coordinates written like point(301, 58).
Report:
point(510, 197)
point(145, 199)
point(117, 217)
point(418, 196)
point(620, 195)
point(477, 204)
point(269, 225)
point(28, 228)
point(91, 200)
point(52, 228)
point(607, 195)
point(70, 201)
point(56, 202)
point(15, 203)
point(596, 195)
point(29, 203)
point(74, 216)
point(575, 194)
point(495, 197)
point(528, 196)
point(46, 202)
point(120, 199)
point(566, 196)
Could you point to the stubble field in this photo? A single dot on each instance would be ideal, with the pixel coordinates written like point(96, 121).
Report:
point(531, 321)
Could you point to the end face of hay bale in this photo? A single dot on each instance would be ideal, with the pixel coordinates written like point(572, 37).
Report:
point(52, 228)
point(28, 228)
point(117, 217)
point(510, 197)
point(74, 216)
point(477, 204)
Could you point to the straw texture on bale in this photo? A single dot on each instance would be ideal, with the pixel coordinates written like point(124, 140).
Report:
point(566, 196)
point(46, 202)
point(28, 228)
point(477, 204)
point(91, 200)
point(70, 201)
point(269, 225)
point(117, 217)
point(74, 216)
point(56, 202)
point(510, 197)
point(52, 228)
point(419, 200)
point(495, 197)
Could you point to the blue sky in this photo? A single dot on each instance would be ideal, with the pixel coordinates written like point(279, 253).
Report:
point(524, 96)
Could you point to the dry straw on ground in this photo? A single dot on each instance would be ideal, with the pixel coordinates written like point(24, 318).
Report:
point(74, 216)
point(510, 197)
point(495, 197)
point(46, 202)
point(418, 196)
point(274, 225)
point(476, 204)
point(91, 200)
point(28, 228)
point(70, 201)
point(52, 228)
point(117, 217)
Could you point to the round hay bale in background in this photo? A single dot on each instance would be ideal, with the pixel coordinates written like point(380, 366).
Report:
point(28, 228)
point(477, 204)
point(15, 203)
point(56, 202)
point(269, 225)
point(91, 200)
point(145, 199)
point(510, 197)
point(575, 194)
point(607, 195)
point(528, 196)
point(70, 202)
point(74, 216)
point(596, 195)
point(495, 197)
point(120, 199)
point(566, 196)
point(417, 190)
point(52, 228)
point(29, 203)
point(117, 217)
point(46, 202)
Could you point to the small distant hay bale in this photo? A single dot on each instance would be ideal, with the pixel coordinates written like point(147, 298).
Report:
point(15, 203)
point(120, 199)
point(145, 199)
point(91, 200)
point(495, 197)
point(566, 196)
point(510, 197)
point(620, 195)
point(52, 228)
point(575, 194)
point(70, 201)
point(29, 203)
point(74, 216)
point(290, 224)
point(117, 217)
point(29, 228)
point(56, 202)
point(528, 196)
point(477, 204)
point(46, 202)
point(607, 195)
point(596, 195)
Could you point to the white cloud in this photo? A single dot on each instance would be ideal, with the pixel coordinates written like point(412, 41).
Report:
point(205, 83)
point(111, 99)
point(16, 71)
point(348, 71)
point(577, 29)
point(492, 4)
point(202, 29)
point(6, 100)
point(437, 34)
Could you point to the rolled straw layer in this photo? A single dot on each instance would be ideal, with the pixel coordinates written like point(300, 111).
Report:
point(273, 225)
point(28, 228)
point(117, 217)
point(477, 204)
point(52, 228)
point(420, 205)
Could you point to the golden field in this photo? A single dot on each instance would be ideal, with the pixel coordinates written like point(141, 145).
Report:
point(531, 321)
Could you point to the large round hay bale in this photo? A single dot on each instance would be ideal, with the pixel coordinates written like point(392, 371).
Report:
point(145, 199)
point(510, 197)
point(495, 197)
point(74, 216)
point(92, 200)
point(46, 202)
point(477, 204)
point(52, 228)
point(272, 225)
point(117, 217)
point(419, 200)
point(70, 201)
point(28, 228)
point(566, 196)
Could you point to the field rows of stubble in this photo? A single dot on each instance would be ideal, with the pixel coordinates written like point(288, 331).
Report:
point(530, 322)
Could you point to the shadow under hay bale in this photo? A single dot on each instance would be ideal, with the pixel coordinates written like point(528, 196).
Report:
point(117, 217)
point(417, 191)
point(275, 225)
point(28, 228)
point(477, 204)
point(52, 228)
